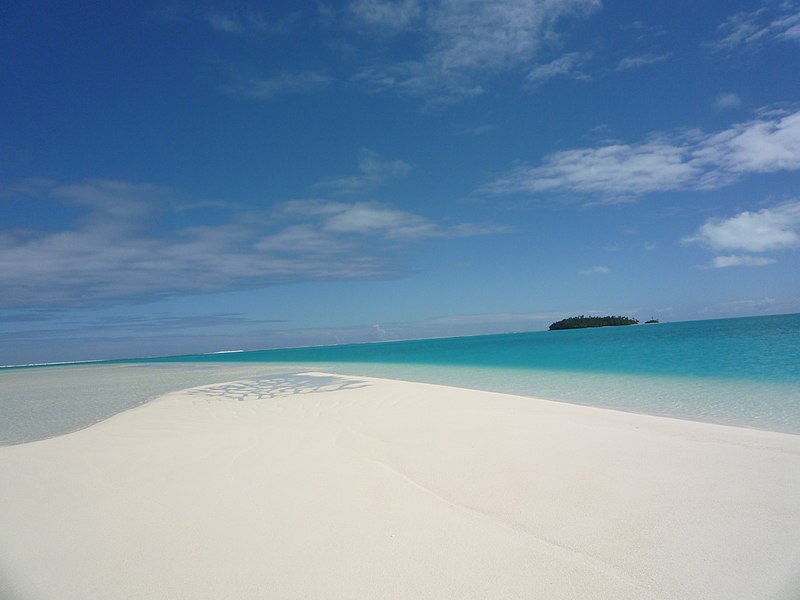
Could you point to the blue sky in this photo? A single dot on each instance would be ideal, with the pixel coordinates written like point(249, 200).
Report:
point(183, 177)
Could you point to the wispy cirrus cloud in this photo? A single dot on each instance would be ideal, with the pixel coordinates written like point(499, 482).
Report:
point(249, 22)
point(773, 21)
point(464, 43)
point(767, 230)
point(377, 219)
point(567, 65)
point(227, 23)
point(451, 50)
point(282, 84)
point(727, 100)
point(609, 171)
point(684, 160)
point(576, 66)
point(385, 15)
point(369, 218)
point(640, 60)
point(748, 307)
point(597, 270)
point(476, 130)
point(237, 21)
point(373, 171)
point(734, 260)
point(116, 251)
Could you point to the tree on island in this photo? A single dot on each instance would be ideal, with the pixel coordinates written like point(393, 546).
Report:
point(581, 322)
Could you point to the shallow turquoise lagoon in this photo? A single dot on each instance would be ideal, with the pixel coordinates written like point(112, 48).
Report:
point(736, 371)
point(743, 372)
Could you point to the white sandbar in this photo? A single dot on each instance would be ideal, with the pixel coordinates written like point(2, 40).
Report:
point(354, 487)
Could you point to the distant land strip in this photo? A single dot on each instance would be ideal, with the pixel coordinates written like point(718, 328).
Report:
point(582, 322)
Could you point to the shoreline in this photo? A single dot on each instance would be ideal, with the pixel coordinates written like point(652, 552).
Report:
point(183, 376)
point(328, 486)
point(100, 392)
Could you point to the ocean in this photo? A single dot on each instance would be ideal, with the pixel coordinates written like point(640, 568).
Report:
point(743, 372)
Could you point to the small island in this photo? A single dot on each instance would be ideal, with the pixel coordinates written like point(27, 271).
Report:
point(582, 322)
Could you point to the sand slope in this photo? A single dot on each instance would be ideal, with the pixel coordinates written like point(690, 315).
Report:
point(342, 487)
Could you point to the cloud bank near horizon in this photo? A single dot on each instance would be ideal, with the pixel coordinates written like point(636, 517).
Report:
point(118, 251)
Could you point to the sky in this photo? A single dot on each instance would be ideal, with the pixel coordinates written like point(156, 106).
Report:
point(190, 177)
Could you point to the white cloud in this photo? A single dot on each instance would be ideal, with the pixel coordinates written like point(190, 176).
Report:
point(773, 21)
point(728, 100)
point(642, 60)
point(566, 65)
point(683, 160)
point(598, 270)
point(366, 218)
point(733, 260)
point(768, 229)
point(759, 146)
point(790, 28)
point(467, 41)
point(266, 88)
point(118, 250)
point(617, 169)
point(488, 35)
point(373, 172)
point(386, 222)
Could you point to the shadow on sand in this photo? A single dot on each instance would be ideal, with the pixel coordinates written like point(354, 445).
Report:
point(277, 386)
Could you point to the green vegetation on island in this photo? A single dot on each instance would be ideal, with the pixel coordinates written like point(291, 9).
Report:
point(651, 321)
point(581, 322)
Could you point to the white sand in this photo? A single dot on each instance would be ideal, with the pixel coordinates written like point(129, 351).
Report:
point(368, 488)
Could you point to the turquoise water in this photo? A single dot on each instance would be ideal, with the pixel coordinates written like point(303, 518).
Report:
point(743, 372)
point(42, 402)
point(754, 349)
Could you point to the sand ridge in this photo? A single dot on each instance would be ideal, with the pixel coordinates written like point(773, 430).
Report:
point(325, 486)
